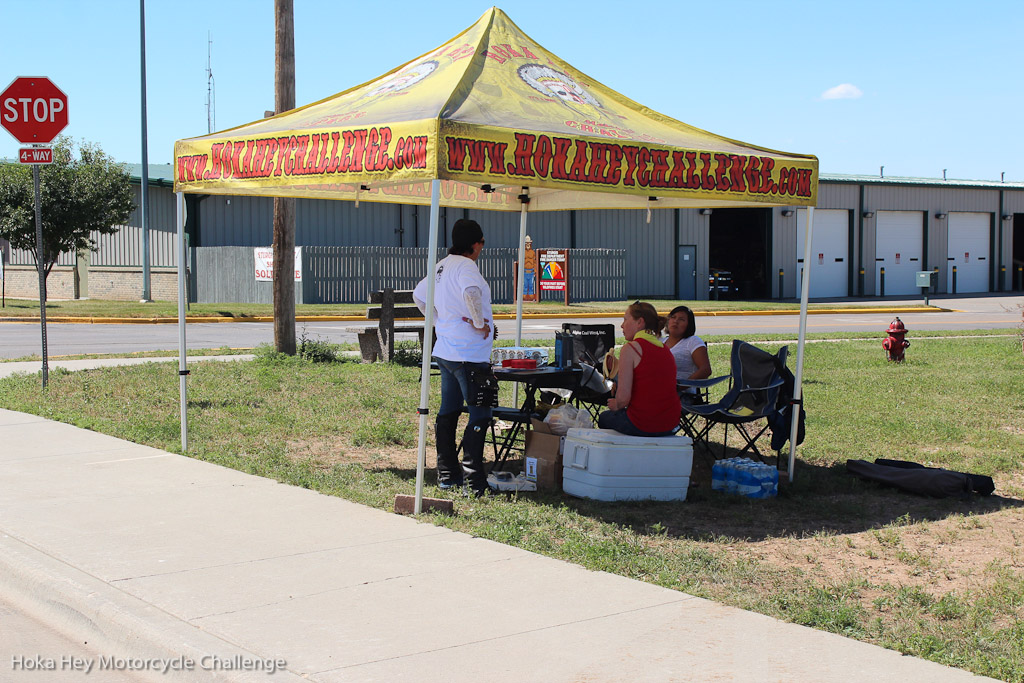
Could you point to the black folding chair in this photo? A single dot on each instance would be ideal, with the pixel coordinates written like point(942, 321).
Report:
point(754, 384)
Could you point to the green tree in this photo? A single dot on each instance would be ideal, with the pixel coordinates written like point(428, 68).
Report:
point(78, 197)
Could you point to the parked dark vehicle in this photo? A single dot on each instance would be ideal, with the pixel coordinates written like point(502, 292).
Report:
point(720, 284)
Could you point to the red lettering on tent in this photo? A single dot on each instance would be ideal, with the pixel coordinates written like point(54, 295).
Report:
point(579, 162)
point(215, 152)
point(511, 51)
point(643, 158)
point(598, 162)
point(456, 153)
point(494, 54)
point(420, 153)
point(527, 53)
point(767, 184)
point(614, 173)
point(268, 166)
point(805, 183)
point(256, 167)
point(736, 173)
point(523, 155)
point(753, 174)
point(707, 182)
point(496, 154)
point(561, 159)
point(692, 178)
point(371, 152)
point(721, 172)
point(243, 169)
point(676, 179)
point(283, 146)
point(358, 149)
point(542, 156)
point(332, 165)
point(477, 155)
point(630, 152)
point(385, 162)
point(659, 173)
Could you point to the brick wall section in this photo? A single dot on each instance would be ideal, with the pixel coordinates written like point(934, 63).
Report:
point(116, 284)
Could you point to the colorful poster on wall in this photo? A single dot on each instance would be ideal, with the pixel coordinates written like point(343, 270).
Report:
point(553, 269)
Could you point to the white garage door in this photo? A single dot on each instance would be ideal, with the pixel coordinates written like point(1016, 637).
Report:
point(968, 251)
point(899, 239)
point(830, 252)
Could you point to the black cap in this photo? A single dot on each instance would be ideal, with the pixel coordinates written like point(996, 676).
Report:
point(465, 233)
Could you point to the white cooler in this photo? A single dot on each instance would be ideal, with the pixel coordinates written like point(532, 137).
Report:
point(603, 464)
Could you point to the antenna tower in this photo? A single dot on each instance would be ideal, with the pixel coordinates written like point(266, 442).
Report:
point(211, 88)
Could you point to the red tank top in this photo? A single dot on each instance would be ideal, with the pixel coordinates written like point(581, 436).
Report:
point(654, 404)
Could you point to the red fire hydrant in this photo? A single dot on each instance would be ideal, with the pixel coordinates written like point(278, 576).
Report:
point(895, 344)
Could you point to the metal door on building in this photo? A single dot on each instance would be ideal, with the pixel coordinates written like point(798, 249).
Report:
point(830, 252)
point(967, 249)
point(687, 289)
point(899, 246)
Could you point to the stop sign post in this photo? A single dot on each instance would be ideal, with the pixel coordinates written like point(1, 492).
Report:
point(35, 111)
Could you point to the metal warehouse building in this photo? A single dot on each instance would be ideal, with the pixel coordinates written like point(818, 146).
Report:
point(871, 235)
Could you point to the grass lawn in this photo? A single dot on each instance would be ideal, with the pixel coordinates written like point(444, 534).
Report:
point(97, 308)
point(940, 579)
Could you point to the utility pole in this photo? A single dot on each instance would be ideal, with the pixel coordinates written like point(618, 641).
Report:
point(284, 208)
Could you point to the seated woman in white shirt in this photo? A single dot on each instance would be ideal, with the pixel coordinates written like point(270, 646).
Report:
point(689, 350)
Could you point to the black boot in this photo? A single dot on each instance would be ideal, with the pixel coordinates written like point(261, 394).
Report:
point(449, 472)
point(473, 456)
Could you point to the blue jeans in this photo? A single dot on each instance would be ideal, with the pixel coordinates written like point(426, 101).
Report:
point(620, 422)
point(455, 387)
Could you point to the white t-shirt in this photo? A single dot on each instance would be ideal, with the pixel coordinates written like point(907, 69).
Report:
point(457, 340)
point(683, 353)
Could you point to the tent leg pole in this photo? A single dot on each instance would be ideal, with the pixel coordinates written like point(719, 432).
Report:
point(428, 343)
point(182, 363)
point(520, 287)
point(805, 288)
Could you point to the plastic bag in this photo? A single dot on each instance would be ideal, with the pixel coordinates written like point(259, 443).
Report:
point(566, 417)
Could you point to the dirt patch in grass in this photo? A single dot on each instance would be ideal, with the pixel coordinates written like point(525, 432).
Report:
point(935, 557)
point(330, 452)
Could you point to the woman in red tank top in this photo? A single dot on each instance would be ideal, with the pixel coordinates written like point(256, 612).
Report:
point(645, 401)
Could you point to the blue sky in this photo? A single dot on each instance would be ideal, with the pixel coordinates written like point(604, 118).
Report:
point(914, 86)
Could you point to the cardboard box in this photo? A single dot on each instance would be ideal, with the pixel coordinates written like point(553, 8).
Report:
point(543, 458)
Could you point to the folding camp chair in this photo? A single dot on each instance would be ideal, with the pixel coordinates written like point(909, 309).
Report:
point(754, 384)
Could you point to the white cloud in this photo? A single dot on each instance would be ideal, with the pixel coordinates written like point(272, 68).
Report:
point(844, 91)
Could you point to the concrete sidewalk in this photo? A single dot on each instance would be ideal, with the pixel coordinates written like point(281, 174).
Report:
point(176, 563)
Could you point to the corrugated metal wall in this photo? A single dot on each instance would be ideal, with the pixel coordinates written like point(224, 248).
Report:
point(650, 254)
point(124, 247)
point(349, 274)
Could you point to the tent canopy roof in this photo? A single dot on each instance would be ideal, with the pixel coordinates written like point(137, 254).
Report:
point(489, 113)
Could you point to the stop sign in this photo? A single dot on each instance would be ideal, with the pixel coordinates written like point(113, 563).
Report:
point(33, 109)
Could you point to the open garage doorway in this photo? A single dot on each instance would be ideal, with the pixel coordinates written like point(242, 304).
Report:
point(740, 247)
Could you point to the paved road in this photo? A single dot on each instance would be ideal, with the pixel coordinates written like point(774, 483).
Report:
point(21, 339)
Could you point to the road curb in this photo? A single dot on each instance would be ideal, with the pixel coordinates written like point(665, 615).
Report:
point(497, 316)
point(81, 606)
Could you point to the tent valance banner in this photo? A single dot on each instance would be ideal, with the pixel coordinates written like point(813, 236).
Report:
point(487, 113)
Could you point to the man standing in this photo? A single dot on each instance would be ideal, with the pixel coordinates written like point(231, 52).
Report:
point(462, 321)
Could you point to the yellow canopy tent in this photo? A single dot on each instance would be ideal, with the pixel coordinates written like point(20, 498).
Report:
point(490, 119)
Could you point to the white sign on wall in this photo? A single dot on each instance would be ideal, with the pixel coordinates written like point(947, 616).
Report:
point(265, 264)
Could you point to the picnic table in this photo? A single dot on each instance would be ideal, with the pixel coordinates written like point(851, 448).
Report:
point(377, 340)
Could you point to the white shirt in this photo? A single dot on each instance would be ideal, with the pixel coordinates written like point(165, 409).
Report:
point(457, 340)
point(683, 353)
